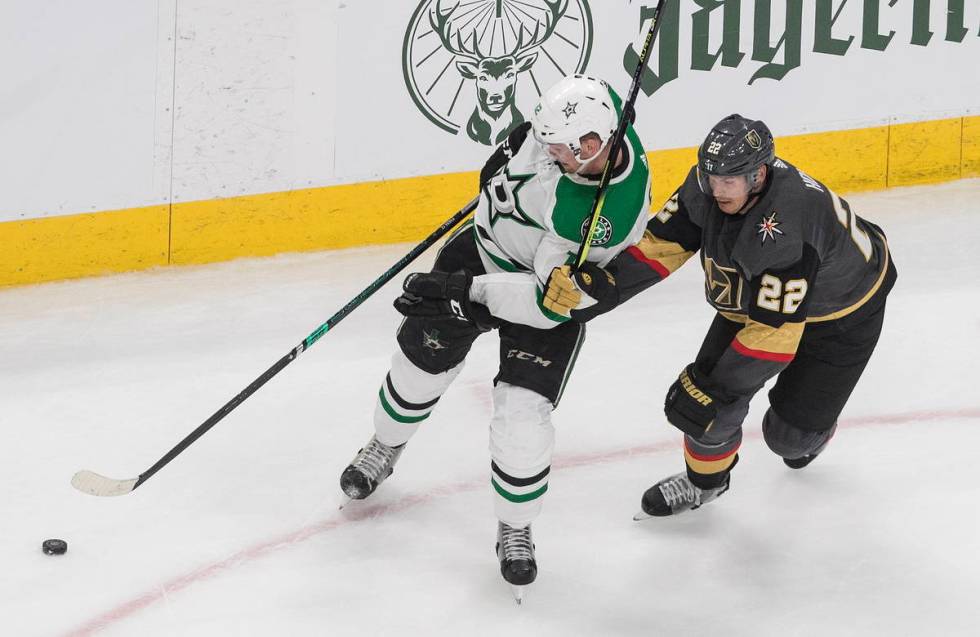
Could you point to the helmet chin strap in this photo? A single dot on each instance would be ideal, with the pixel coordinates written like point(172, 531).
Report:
point(755, 187)
point(749, 202)
point(582, 165)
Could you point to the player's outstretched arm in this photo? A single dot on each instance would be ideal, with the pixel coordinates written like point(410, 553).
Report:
point(671, 238)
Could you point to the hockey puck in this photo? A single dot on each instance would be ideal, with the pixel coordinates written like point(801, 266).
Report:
point(54, 547)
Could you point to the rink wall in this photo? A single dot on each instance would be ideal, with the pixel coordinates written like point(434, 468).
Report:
point(181, 132)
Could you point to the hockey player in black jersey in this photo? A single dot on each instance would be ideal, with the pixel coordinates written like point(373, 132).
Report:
point(799, 285)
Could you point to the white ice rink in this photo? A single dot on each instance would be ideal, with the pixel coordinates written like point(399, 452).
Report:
point(241, 534)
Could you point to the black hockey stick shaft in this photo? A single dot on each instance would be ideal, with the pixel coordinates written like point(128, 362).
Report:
point(620, 134)
point(308, 341)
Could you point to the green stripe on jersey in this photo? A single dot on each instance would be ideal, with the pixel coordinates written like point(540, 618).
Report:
point(504, 264)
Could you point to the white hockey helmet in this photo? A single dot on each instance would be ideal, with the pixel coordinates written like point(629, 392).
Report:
point(574, 107)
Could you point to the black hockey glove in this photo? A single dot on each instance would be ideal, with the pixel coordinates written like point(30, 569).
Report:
point(565, 289)
point(690, 405)
point(504, 152)
point(443, 295)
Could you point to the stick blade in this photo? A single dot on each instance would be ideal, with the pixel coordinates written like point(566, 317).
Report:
point(94, 484)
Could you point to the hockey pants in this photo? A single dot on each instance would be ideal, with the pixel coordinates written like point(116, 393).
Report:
point(534, 367)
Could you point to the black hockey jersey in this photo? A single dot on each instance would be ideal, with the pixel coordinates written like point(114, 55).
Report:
point(798, 255)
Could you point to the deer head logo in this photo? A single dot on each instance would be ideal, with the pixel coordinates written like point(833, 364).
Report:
point(498, 45)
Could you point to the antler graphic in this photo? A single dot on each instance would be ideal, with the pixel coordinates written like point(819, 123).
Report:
point(441, 24)
point(556, 10)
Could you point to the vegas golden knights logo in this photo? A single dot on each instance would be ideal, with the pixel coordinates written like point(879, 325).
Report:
point(479, 65)
point(723, 286)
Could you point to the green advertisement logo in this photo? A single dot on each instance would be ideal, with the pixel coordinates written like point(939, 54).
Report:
point(479, 65)
point(780, 57)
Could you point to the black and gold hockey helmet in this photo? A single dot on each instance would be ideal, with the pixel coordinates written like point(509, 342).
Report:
point(735, 146)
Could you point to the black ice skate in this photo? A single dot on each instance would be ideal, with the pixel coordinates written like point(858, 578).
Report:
point(515, 550)
point(799, 463)
point(674, 495)
point(369, 468)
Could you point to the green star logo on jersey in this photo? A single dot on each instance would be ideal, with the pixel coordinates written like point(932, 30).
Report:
point(509, 206)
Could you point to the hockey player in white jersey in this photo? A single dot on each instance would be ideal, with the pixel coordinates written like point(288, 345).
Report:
point(536, 197)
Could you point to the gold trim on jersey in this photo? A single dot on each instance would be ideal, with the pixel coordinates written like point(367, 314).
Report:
point(735, 318)
point(874, 288)
point(777, 340)
point(669, 254)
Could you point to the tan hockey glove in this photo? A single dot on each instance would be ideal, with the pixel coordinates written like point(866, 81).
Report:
point(562, 295)
point(581, 295)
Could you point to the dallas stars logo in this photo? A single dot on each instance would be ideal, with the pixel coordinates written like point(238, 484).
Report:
point(431, 340)
point(569, 109)
point(504, 199)
point(602, 233)
point(767, 228)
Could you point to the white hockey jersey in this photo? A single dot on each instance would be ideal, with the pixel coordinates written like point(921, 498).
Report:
point(532, 217)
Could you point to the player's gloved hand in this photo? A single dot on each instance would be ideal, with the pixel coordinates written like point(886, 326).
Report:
point(692, 405)
point(443, 295)
point(583, 294)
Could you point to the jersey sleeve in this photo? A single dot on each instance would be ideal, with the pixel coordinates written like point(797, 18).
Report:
point(670, 239)
point(518, 297)
point(502, 154)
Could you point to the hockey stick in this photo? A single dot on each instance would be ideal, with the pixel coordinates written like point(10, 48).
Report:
point(617, 140)
point(96, 484)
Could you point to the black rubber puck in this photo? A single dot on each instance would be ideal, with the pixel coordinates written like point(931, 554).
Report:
point(54, 547)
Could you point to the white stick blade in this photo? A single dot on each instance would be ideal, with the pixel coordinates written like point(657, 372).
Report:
point(92, 483)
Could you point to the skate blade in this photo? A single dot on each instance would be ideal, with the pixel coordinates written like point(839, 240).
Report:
point(347, 500)
point(518, 592)
point(641, 515)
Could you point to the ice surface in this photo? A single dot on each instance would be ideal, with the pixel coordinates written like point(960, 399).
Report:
point(241, 534)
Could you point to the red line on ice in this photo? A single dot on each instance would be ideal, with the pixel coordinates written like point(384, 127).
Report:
point(131, 607)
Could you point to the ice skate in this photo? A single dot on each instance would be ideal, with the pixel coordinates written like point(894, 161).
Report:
point(368, 469)
point(674, 495)
point(799, 463)
point(515, 550)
